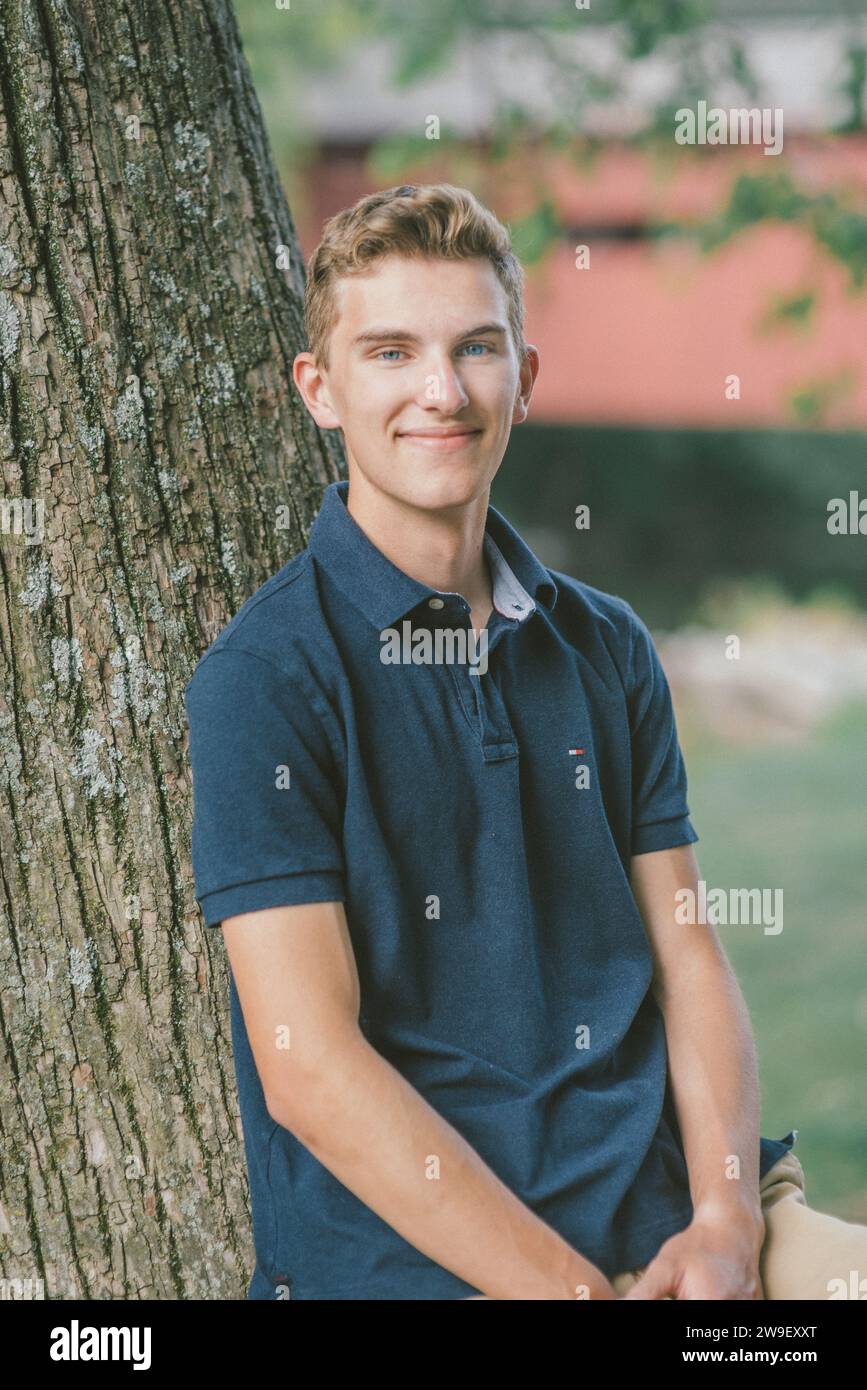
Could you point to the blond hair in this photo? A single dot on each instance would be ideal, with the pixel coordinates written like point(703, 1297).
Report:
point(437, 220)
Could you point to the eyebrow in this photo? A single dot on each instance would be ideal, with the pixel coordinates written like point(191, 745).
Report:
point(402, 335)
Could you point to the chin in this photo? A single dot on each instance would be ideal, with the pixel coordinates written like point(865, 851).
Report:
point(435, 484)
point(445, 482)
point(435, 493)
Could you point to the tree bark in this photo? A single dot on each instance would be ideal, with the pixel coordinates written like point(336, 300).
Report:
point(150, 309)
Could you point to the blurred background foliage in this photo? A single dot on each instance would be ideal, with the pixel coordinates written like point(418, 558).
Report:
point(731, 505)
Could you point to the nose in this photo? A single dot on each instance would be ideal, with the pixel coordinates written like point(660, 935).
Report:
point(442, 385)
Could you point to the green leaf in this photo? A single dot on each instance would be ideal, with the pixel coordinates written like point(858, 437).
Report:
point(534, 234)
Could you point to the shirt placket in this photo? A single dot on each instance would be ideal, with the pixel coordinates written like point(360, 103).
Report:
point(479, 694)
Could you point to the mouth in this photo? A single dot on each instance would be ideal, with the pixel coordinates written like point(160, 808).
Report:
point(444, 441)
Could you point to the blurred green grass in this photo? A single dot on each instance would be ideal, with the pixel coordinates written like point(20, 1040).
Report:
point(794, 816)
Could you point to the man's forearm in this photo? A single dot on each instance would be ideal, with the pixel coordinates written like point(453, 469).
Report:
point(381, 1139)
point(714, 1079)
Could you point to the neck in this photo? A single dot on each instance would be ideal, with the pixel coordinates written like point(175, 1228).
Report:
point(444, 549)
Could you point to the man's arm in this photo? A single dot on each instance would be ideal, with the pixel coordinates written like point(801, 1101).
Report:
point(712, 1055)
point(364, 1122)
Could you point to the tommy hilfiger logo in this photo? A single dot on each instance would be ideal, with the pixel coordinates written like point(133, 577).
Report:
point(582, 771)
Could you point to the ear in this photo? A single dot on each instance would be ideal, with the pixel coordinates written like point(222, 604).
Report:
point(529, 372)
point(313, 389)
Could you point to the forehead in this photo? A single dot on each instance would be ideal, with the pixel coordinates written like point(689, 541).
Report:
point(420, 294)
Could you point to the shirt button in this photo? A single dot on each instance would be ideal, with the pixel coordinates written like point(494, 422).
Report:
point(435, 603)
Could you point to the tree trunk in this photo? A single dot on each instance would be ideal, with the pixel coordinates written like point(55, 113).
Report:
point(157, 468)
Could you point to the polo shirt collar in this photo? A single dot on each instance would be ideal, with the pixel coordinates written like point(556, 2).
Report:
point(384, 594)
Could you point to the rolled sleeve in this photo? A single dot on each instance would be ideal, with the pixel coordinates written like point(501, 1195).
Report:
point(266, 801)
point(660, 813)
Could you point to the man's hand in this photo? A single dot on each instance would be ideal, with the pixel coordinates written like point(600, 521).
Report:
point(714, 1258)
point(605, 1291)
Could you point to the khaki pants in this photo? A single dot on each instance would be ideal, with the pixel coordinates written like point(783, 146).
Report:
point(806, 1254)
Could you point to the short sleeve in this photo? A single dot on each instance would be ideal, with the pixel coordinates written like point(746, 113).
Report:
point(266, 800)
point(660, 813)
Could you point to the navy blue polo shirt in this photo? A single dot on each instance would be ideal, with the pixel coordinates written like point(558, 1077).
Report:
point(478, 826)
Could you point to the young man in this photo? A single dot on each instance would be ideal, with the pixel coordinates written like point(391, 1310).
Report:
point(476, 1057)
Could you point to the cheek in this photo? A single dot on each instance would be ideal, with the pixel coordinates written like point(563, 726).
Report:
point(503, 394)
point(504, 410)
point(380, 395)
point(366, 402)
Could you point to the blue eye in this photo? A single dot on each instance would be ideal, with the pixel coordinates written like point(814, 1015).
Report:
point(383, 354)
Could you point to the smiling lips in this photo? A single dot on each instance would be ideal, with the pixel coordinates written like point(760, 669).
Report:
point(445, 440)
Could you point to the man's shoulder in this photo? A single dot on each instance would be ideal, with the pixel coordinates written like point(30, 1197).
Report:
point(278, 624)
point(611, 616)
